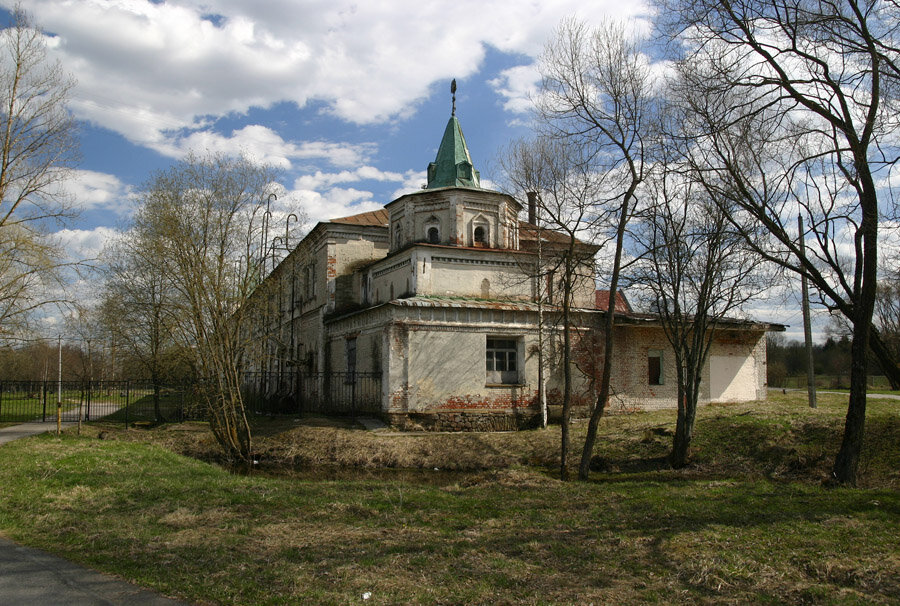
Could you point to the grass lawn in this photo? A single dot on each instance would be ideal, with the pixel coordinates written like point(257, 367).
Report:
point(749, 521)
point(20, 407)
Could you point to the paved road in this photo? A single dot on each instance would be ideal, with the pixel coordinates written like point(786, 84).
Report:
point(33, 577)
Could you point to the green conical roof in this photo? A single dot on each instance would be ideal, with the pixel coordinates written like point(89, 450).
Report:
point(453, 165)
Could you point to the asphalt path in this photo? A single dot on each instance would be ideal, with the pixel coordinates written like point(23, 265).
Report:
point(33, 577)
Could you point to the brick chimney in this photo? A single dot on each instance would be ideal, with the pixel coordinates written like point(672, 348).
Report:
point(532, 207)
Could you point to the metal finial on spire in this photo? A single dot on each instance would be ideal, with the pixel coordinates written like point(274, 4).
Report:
point(453, 92)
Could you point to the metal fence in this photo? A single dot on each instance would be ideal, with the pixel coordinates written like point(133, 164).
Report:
point(128, 401)
point(140, 401)
point(328, 393)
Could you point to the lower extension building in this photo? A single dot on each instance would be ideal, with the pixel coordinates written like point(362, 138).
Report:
point(438, 311)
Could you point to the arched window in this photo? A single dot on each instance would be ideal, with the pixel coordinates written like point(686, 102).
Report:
point(481, 232)
point(433, 230)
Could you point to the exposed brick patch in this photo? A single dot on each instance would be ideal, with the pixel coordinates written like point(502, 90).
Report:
point(501, 402)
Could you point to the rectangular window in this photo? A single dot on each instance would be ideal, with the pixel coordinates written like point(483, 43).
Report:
point(502, 361)
point(655, 367)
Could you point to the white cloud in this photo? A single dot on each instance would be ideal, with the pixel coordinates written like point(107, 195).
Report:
point(158, 72)
point(334, 203)
point(518, 85)
point(85, 244)
point(266, 146)
point(95, 190)
point(321, 180)
point(413, 182)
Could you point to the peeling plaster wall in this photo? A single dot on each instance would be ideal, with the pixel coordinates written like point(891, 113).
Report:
point(433, 364)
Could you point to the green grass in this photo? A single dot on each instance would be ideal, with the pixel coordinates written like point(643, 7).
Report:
point(748, 522)
point(141, 408)
point(25, 407)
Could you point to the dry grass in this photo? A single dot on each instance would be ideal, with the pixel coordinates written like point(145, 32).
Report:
point(777, 439)
point(749, 522)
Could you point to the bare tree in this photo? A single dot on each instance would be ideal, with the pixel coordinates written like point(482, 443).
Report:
point(795, 108)
point(204, 214)
point(37, 151)
point(140, 306)
point(694, 269)
point(566, 185)
point(597, 93)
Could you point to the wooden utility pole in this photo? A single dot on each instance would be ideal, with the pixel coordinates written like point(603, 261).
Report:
point(807, 329)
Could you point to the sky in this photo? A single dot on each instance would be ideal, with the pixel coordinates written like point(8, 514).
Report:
point(348, 99)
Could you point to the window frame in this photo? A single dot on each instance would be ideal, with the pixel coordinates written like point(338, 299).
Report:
point(658, 355)
point(503, 360)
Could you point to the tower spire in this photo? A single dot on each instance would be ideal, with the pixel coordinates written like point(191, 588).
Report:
point(453, 94)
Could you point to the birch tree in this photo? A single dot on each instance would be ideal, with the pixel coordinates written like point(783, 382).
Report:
point(37, 151)
point(206, 214)
point(597, 94)
point(566, 186)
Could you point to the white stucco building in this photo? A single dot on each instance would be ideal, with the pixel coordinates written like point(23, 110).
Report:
point(428, 312)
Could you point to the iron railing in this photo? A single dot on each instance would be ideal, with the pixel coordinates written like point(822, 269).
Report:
point(128, 401)
point(142, 401)
point(327, 393)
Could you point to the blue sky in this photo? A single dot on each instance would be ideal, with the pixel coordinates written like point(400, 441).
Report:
point(348, 98)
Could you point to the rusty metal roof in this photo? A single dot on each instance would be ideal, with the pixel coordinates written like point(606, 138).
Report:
point(376, 217)
point(464, 303)
point(602, 301)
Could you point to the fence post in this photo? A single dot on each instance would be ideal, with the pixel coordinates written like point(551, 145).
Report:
point(81, 402)
point(1, 400)
point(44, 412)
point(127, 394)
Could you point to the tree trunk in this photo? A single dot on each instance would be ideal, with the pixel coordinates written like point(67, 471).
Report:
point(157, 410)
point(885, 358)
point(680, 443)
point(567, 398)
point(847, 461)
point(587, 452)
point(684, 429)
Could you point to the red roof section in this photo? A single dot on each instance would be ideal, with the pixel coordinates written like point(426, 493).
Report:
point(601, 298)
point(375, 217)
